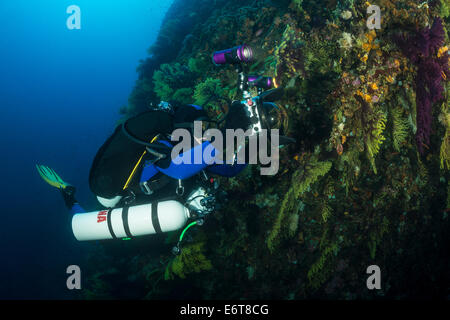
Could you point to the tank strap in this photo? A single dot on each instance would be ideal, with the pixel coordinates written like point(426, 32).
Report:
point(125, 221)
point(108, 219)
point(155, 220)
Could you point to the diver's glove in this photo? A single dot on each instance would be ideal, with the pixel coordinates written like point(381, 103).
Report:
point(68, 194)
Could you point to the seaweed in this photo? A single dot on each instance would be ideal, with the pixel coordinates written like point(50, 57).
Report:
point(191, 260)
point(209, 93)
point(302, 179)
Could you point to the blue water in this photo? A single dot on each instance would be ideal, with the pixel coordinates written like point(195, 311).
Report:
point(60, 92)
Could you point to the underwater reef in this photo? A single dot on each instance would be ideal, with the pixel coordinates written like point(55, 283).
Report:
point(366, 183)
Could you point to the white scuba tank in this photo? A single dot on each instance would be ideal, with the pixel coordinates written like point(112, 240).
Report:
point(130, 222)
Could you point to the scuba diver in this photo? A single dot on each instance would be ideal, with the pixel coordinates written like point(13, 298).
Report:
point(137, 179)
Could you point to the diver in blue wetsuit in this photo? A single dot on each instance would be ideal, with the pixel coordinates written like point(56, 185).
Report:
point(134, 165)
point(136, 174)
point(142, 188)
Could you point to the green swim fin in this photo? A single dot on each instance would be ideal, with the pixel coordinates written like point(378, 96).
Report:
point(51, 177)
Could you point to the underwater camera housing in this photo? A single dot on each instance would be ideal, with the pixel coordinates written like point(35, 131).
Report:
point(262, 113)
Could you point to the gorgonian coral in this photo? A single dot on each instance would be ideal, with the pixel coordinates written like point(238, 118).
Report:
point(422, 48)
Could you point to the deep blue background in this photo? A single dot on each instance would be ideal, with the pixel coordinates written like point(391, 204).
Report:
point(60, 92)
